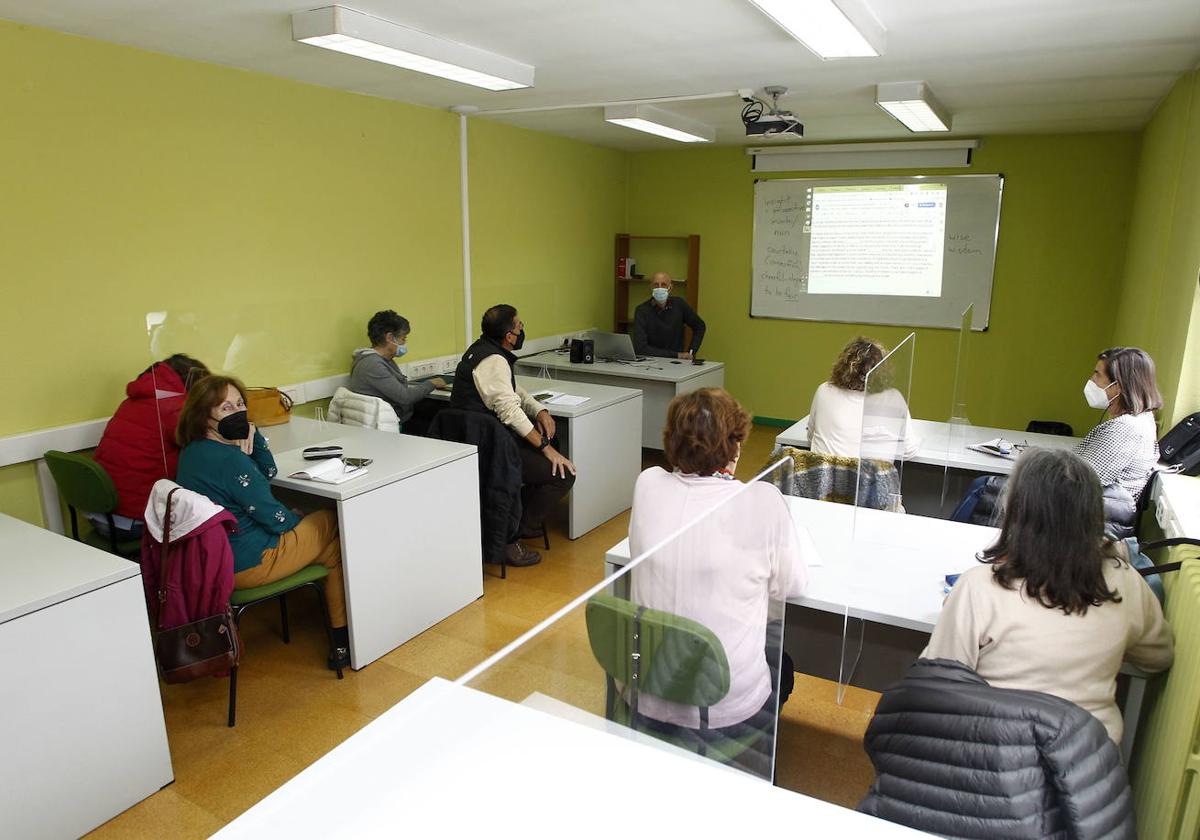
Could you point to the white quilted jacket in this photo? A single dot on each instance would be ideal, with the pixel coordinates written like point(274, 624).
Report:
point(360, 410)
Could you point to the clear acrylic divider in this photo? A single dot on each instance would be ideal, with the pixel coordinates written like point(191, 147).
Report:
point(958, 428)
point(263, 346)
point(887, 441)
point(680, 646)
point(887, 435)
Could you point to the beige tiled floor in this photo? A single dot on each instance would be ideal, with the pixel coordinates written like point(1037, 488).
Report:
point(291, 710)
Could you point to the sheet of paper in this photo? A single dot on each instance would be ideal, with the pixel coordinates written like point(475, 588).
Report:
point(567, 399)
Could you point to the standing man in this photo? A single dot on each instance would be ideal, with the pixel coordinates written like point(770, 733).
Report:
point(373, 370)
point(658, 323)
point(485, 381)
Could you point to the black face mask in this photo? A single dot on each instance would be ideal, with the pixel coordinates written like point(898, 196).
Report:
point(234, 426)
point(520, 340)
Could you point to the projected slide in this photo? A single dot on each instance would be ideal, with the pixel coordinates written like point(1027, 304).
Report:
point(876, 239)
point(907, 250)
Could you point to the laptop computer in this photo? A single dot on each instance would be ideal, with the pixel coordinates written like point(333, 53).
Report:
point(615, 346)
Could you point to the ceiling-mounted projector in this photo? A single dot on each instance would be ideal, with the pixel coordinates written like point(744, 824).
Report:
point(766, 120)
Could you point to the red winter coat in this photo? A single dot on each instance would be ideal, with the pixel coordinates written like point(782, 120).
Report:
point(138, 445)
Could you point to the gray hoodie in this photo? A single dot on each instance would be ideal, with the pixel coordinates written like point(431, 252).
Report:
point(375, 376)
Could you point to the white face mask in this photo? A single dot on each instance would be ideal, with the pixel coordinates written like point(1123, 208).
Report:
point(1096, 396)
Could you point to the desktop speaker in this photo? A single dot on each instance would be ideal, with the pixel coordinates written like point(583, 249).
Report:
point(583, 351)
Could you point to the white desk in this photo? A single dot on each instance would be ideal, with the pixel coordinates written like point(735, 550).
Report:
point(603, 438)
point(411, 553)
point(81, 719)
point(1177, 504)
point(659, 380)
point(945, 444)
point(890, 568)
point(451, 761)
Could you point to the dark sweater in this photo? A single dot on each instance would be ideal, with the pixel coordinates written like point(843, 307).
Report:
point(241, 484)
point(659, 332)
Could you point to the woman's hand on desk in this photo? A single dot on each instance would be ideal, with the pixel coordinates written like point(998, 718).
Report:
point(559, 465)
point(439, 384)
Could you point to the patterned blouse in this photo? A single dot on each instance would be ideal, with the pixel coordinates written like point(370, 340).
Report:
point(241, 484)
point(1123, 450)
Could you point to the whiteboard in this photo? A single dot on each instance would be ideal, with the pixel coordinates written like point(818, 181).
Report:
point(779, 273)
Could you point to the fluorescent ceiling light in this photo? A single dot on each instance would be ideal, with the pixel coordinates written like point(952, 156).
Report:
point(354, 33)
point(653, 120)
point(913, 104)
point(830, 28)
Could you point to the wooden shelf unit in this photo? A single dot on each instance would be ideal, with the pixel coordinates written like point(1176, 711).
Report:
point(686, 287)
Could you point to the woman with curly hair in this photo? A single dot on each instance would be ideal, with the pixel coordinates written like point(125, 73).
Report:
point(835, 421)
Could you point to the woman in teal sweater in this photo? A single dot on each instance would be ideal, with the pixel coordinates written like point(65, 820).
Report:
point(225, 458)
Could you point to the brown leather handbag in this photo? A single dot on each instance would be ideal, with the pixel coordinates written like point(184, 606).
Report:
point(268, 406)
point(208, 647)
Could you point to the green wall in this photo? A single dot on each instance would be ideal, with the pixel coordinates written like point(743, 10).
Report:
point(268, 219)
point(1160, 282)
point(544, 213)
point(1063, 228)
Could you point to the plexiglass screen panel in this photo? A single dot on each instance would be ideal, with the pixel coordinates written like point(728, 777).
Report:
point(680, 647)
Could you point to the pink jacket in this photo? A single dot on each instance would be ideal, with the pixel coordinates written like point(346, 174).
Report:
point(201, 574)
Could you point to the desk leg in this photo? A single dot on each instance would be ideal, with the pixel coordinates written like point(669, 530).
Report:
point(618, 588)
point(606, 448)
point(1133, 716)
point(656, 396)
point(411, 556)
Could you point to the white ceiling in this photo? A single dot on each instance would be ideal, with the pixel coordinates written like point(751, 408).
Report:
point(999, 66)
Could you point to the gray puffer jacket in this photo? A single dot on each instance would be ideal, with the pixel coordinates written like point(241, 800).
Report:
point(955, 757)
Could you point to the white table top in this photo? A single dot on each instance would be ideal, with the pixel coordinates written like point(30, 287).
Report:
point(599, 396)
point(395, 457)
point(653, 369)
point(41, 568)
point(880, 566)
point(452, 761)
point(945, 444)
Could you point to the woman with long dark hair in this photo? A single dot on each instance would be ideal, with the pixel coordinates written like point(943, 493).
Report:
point(1057, 608)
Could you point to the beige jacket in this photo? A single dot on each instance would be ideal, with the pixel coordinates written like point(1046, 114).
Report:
point(1012, 641)
point(516, 409)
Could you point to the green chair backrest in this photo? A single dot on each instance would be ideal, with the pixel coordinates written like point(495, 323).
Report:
point(680, 660)
point(82, 482)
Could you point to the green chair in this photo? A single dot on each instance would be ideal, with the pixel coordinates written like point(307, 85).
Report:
point(85, 486)
point(243, 599)
point(666, 656)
